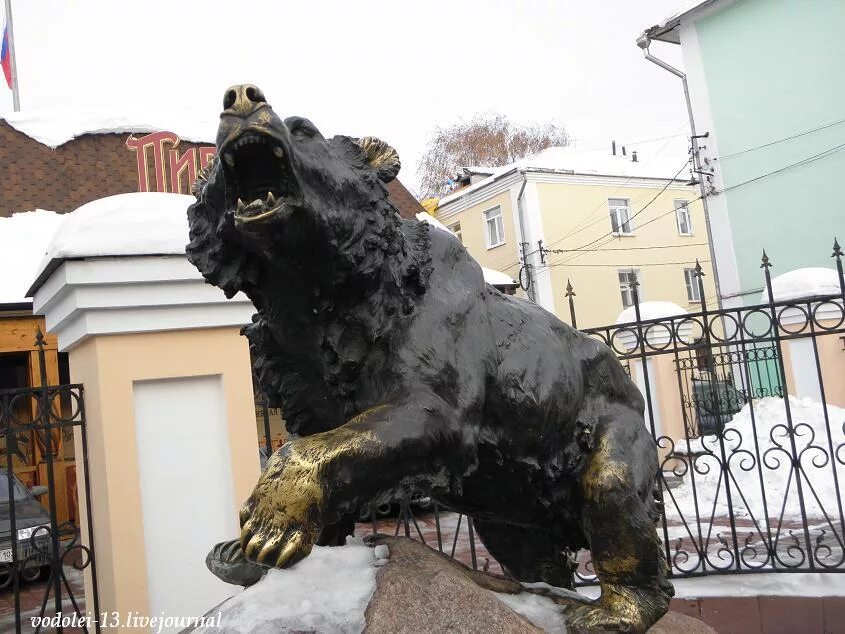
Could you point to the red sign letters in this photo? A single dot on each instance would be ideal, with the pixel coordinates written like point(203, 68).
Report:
point(170, 171)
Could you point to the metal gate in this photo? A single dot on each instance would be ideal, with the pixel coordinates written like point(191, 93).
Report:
point(41, 556)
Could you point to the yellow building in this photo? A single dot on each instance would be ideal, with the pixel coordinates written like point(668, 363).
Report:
point(590, 218)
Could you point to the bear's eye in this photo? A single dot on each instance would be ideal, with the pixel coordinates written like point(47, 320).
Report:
point(303, 128)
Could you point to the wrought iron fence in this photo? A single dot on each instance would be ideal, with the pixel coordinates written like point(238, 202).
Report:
point(750, 466)
point(36, 545)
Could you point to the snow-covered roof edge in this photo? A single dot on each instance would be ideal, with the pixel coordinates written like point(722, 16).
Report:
point(55, 129)
point(543, 163)
point(664, 31)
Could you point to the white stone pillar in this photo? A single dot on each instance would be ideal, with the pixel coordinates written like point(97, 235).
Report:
point(172, 446)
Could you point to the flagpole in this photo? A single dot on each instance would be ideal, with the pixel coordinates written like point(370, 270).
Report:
point(16, 102)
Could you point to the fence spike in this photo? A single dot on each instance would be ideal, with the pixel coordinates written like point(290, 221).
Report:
point(699, 271)
point(570, 292)
point(766, 264)
point(837, 250)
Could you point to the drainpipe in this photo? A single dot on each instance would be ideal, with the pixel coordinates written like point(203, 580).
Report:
point(644, 41)
point(521, 219)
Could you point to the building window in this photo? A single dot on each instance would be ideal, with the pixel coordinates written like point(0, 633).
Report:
point(456, 229)
point(620, 216)
point(626, 277)
point(682, 215)
point(693, 292)
point(495, 227)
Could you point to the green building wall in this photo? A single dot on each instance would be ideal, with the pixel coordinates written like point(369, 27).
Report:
point(774, 69)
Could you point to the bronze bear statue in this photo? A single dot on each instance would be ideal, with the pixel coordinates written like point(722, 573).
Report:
point(396, 367)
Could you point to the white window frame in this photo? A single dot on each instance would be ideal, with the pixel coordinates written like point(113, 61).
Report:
point(621, 222)
point(493, 217)
point(455, 228)
point(682, 210)
point(625, 289)
point(691, 282)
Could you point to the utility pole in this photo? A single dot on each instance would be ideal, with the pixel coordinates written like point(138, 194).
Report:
point(16, 101)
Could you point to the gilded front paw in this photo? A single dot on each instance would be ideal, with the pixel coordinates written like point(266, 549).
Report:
point(620, 609)
point(281, 519)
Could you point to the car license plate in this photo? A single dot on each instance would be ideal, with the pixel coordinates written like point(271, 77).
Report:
point(6, 555)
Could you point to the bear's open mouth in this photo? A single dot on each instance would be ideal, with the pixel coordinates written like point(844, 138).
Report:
point(258, 177)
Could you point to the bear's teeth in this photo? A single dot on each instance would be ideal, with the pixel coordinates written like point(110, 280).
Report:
point(271, 199)
point(229, 158)
point(241, 205)
point(278, 151)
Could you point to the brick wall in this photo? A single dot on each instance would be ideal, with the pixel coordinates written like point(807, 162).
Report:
point(86, 168)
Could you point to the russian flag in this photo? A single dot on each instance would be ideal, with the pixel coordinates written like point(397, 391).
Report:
point(5, 58)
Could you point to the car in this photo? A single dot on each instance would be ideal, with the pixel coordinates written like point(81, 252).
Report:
point(32, 522)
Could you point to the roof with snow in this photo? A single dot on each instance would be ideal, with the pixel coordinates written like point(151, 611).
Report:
point(666, 31)
point(491, 276)
point(54, 128)
point(569, 160)
point(24, 238)
point(804, 284)
point(144, 223)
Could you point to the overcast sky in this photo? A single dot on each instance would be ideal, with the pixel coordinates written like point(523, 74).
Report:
point(388, 69)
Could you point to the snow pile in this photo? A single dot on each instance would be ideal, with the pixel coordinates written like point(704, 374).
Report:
point(650, 310)
point(491, 276)
point(328, 591)
point(24, 238)
point(54, 129)
point(779, 479)
point(804, 284)
point(144, 223)
point(541, 611)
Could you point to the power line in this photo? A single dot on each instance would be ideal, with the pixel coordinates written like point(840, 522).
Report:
point(775, 142)
point(611, 237)
point(626, 265)
point(629, 144)
point(578, 228)
point(656, 246)
point(580, 250)
point(809, 159)
point(646, 206)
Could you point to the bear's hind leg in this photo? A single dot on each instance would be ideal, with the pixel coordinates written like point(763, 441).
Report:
point(619, 515)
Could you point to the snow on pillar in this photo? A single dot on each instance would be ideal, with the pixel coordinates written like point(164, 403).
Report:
point(802, 287)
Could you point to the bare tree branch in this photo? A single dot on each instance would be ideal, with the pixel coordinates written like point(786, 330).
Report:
point(484, 141)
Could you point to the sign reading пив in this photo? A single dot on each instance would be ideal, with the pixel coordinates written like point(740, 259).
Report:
point(171, 172)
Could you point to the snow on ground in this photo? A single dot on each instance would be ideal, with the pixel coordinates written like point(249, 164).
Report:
point(24, 238)
point(772, 584)
point(778, 478)
point(57, 128)
point(541, 611)
point(803, 283)
point(328, 591)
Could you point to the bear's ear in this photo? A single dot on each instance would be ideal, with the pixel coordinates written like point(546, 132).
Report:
point(381, 157)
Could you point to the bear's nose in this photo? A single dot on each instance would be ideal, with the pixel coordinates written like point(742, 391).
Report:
point(243, 99)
